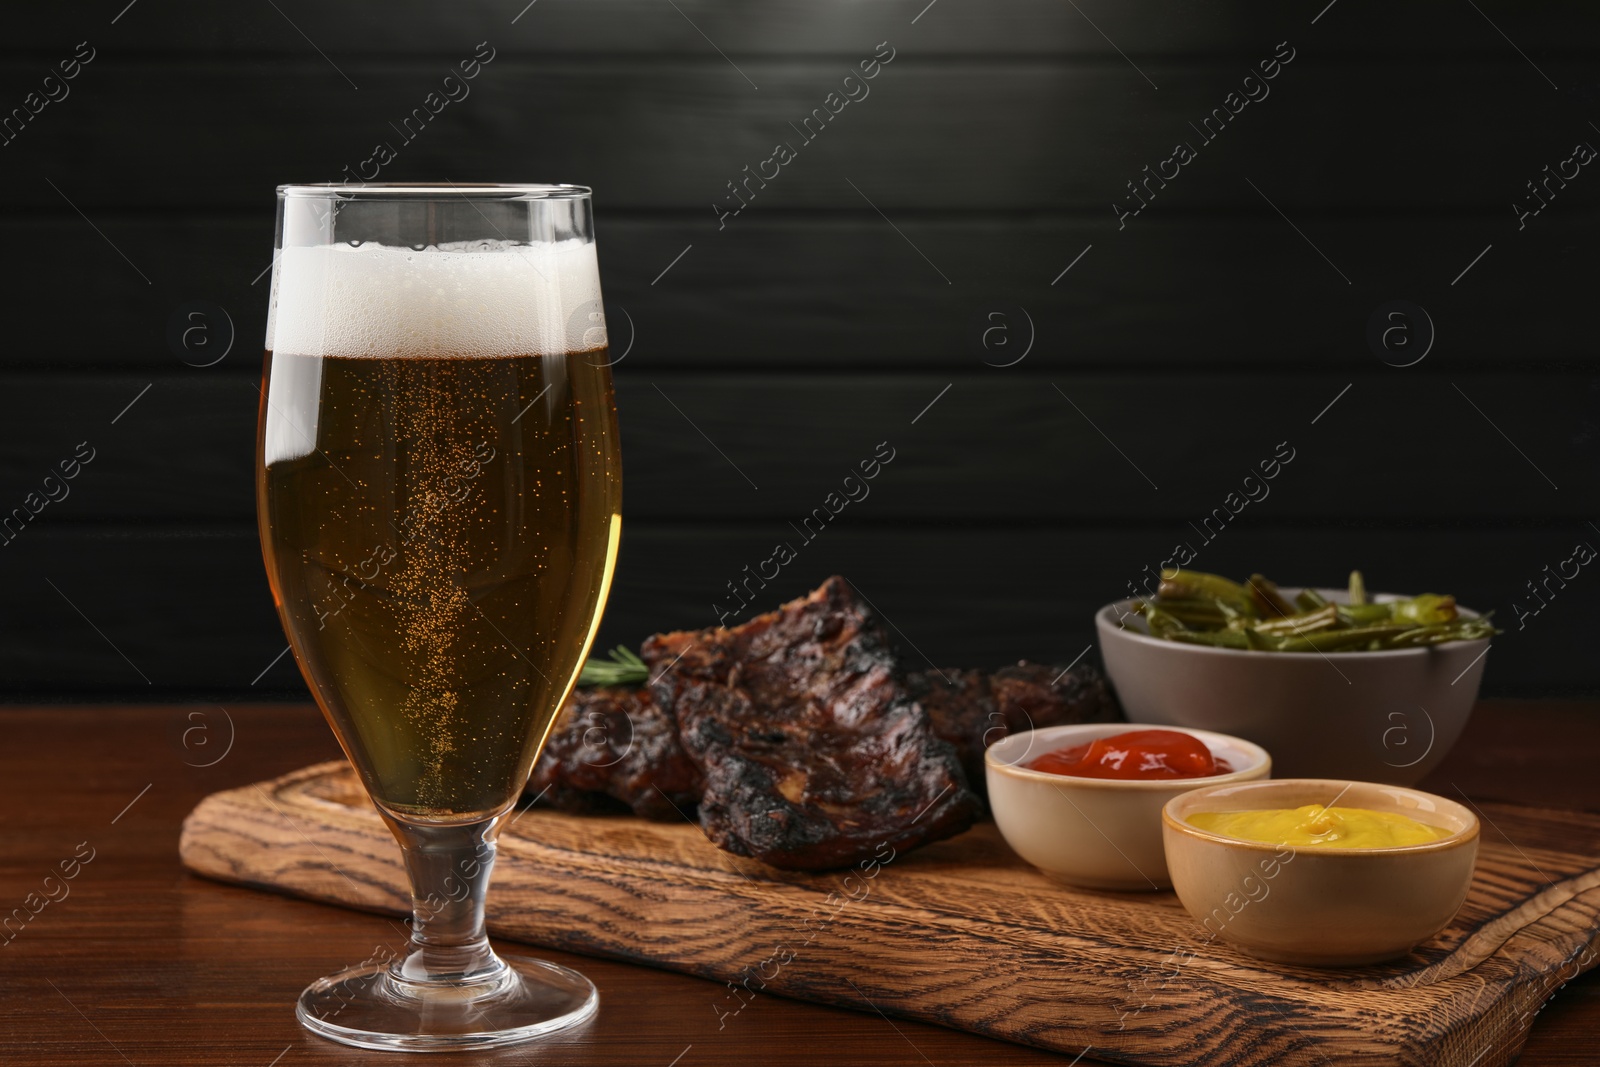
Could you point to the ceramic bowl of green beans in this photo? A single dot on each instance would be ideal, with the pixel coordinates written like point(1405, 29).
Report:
point(1334, 683)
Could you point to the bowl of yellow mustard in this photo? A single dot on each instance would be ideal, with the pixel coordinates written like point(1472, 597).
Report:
point(1319, 872)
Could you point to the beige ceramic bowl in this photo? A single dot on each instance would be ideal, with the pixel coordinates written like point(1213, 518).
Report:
point(1095, 832)
point(1320, 906)
point(1375, 716)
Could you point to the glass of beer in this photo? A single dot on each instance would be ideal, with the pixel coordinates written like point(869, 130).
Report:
point(438, 490)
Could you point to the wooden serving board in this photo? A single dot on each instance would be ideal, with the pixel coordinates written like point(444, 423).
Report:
point(964, 934)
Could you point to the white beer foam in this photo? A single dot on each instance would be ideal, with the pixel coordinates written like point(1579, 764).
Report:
point(479, 300)
point(483, 299)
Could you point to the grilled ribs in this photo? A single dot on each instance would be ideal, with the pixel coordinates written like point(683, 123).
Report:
point(799, 737)
point(813, 750)
point(614, 749)
point(582, 770)
point(974, 709)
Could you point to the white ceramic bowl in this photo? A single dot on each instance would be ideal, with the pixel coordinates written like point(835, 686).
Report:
point(1372, 716)
point(1097, 832)
point(1323, 907)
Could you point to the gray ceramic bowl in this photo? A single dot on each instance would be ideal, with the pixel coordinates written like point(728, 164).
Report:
point(1374, 716)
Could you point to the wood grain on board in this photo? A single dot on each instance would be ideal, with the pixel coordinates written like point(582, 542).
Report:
point(963, 934)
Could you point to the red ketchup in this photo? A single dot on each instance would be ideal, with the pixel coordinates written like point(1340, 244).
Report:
point(1137, 754)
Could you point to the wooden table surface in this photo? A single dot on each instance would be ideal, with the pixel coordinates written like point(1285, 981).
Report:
point(143, 963)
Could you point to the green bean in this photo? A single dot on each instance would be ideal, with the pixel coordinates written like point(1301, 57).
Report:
point(1427, 608)
point(1206, 609)
point(1184, 585)
point(1236, 618)
point(1214, 638)
point(1199, 612)
point(1364, 614)
point(1267, 597)
point(1457, 630)
point(1335, 640)
point(1310, 600)
point(1422, 610)
point(1424, 635)
point(1162, 623)
point(1257, 640)
point(1305, 622)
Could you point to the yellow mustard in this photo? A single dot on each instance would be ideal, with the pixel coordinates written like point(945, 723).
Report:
point(1315, 826)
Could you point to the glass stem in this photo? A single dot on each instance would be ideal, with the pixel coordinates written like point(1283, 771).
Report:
point(449, 868)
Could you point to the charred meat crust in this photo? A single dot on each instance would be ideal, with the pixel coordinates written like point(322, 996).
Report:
point(813, 749)
point(615, 749)
point(974, 709)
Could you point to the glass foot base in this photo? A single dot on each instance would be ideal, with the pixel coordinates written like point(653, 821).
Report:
point(369, 1007)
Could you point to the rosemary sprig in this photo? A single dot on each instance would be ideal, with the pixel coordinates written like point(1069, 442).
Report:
point(623, 668)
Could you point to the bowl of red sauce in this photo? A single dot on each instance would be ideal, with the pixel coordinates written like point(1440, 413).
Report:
point(1083, 803)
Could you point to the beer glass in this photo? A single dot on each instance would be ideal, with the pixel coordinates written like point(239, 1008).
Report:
point(438, 492)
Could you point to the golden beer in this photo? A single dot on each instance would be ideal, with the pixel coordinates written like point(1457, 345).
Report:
point(440, 557)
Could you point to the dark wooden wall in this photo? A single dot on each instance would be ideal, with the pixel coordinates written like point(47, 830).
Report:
point(777, 351)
